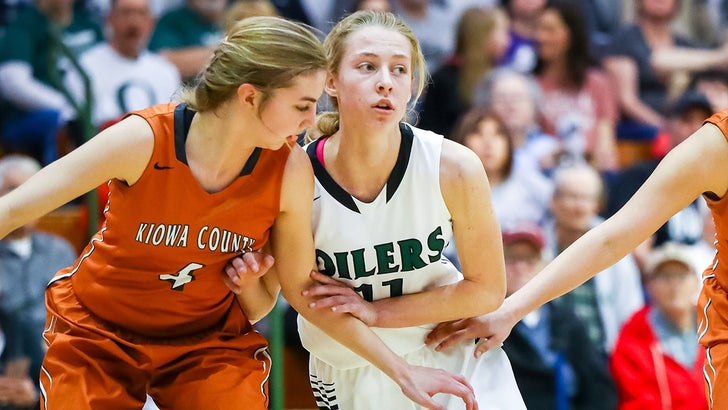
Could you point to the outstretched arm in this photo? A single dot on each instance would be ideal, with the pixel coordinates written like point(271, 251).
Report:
point(121, 151)
point(696, 166)
point(293, 249)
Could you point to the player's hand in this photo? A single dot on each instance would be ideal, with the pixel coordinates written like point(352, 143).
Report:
point(245, 269)
point(421, 383)
point(492, 329)
point(339, 297)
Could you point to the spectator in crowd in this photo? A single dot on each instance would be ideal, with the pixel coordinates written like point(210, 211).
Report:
point(696, 167)
point(457, 7)
point(644, 61)
point(555, 365)
point(374, 5)
point(321, 14)
point(157, 7)
point(699, 21)
point(521, 53)
point(578, 104)
point(480, 41)
point(607, 300)
point(517, 196)
point(241, 9)
point(714, 85)
point(34, 54)
point(28, 260)
point(17, 391)
point(187, 35)
point(686, 116)
point(657, 362)
point(434, 26)
point(603, 19)
point(515, 98)
point(124, 75)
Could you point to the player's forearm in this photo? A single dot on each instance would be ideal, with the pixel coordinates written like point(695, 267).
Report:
point(257, 300)
point(456, 301)
point(350, 332)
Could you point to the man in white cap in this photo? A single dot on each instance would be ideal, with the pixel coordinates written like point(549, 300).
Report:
point(657, 362)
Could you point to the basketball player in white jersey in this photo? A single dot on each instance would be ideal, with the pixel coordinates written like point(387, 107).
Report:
point(388, 198)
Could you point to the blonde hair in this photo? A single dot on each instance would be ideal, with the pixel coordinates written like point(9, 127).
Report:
point(267, 52)
point(475, 28)
point(335, 45)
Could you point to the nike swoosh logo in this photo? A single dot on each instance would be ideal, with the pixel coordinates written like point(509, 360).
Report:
point(317, 197)
point(157, 166)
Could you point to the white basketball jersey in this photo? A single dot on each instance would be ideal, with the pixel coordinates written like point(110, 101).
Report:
point(386, 248)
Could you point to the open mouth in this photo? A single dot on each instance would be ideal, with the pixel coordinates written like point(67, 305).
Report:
point(384, 105)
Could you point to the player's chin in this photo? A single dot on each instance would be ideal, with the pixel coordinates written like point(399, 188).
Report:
point(276, 144)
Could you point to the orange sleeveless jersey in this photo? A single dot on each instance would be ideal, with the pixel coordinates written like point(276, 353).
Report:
point(713, 299)
point(155, 267)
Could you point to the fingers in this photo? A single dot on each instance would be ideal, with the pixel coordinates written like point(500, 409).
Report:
point(267, 261)
point(486, 344)
point(468, 396)
point(443, 330)
point(342, 304)
point(432, 404)
point(453, 339)
point(251, 263)
point(234, 287)
point(231, 272)
point(464, 390)
point(328, 290)
point(462, 379)
point(325, 279)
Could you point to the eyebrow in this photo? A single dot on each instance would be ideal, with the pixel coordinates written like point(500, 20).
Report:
point(370, 54)
point(309, 99)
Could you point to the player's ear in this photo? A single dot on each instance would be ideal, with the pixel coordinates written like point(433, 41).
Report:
point(248, 95)
point(330, 85)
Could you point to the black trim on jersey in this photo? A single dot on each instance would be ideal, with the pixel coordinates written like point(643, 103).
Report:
point(182, 120)
point(250, 163)
point(327, 182)
point(393, 182)
point(405, 150)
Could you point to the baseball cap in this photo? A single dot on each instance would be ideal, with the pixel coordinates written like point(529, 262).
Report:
point(691, 100)
point(524, 232)
point(668, 252)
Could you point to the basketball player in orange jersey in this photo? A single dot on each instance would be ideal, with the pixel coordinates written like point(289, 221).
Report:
point(698, 166)
point(144, 309)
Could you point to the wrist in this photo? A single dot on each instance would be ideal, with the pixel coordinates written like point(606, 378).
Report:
point(399, 370)
point(510, 311)
point(375, 317)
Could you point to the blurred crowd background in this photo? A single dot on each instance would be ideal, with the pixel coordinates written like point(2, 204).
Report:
point(570, 105)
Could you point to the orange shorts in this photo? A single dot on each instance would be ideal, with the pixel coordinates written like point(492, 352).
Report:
point(713, 333)
point(91, 365)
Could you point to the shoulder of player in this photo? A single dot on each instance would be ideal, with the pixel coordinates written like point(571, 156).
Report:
point(458, 162)
point(298, 165)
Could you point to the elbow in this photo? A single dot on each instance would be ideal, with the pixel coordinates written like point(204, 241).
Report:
point(496, 299)
point(491, 298)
